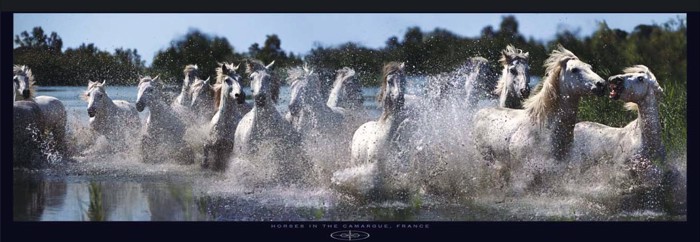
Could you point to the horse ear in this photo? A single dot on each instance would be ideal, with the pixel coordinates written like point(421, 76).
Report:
point(196, 67)
point(269, 65)
point(224, 68)
point(527, 54)
point(403, 64)
point(563, 61)
point(207, 80)
point(156, 78)
point(104, 82)
point(235, 68)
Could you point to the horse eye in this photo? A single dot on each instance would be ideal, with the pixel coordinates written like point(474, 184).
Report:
point(514, 72)
point(640, 79)
point(575, 70)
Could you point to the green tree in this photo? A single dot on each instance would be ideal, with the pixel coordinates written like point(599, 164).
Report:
point(195, 47)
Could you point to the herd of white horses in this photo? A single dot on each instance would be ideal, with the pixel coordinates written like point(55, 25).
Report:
point(526, 135)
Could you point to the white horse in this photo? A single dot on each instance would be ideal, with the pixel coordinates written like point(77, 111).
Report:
point(639, 142)
point(462, 87)
point(222, 128)
point(514, 84)
point(528, 142)
point(115, 119)
point(202, 105)
point(191, 75)
point(322, 128)
point(164, 128)
point(264, 126)
point(52, 109)
point(376, 162)
point(229, 69)
point(346, 92)
point(26, 136)
point(308, 112)
point(346, 97)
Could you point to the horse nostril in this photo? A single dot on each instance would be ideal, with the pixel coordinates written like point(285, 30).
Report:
point(25, 93)
point(599, 85)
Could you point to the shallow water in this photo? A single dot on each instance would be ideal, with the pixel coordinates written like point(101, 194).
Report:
point(118, 187)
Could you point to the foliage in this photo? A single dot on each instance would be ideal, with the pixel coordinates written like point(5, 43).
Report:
point(52, 66)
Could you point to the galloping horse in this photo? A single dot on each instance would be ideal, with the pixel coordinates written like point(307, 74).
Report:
point(524, 142)
point(27, 137)
point(52, 109)
point(115, 119)
point(514, 84)
point(164, 128)
point(230, 70)
point(376, 159)
point(222, 127)
point(264, 125)
point(346, 92)
point(308, 112)
point(641, 138)
point(202, 105)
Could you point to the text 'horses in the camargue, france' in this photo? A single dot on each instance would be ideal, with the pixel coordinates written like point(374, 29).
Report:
point(117, 120)
point(52, 109)
point(162, 141)
point(528, 143)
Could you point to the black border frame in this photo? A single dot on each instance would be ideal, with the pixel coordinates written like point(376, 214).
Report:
point(475, 231)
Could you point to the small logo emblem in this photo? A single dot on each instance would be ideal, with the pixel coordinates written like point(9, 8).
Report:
point(349, 235)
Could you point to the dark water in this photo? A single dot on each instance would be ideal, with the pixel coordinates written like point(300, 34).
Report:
point(120, 188)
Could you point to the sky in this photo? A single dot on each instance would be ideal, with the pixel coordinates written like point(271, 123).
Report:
point(299, 33)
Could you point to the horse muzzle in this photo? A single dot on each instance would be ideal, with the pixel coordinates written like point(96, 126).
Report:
point(525, 92)
point(260, 100)
point(140, 106)
point(599, 89)
point(616, 87)
point(91, 112)
point(240, 97)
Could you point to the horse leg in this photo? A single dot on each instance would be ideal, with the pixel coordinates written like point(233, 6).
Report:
point(185, 156)
point(146, 143)
point(59, 134)
point(223, 153)
point(205, 161)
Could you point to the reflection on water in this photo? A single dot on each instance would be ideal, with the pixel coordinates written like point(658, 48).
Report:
point(51, 199)
point(40, 199)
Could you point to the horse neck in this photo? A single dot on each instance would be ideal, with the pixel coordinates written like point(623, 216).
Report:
point(334, 97)
point(506, 98)
point(109, 107)
point(185, 90)
point(158, 108)
point(649, 125)
point(562, 121)
point(392, 115)
point(227, 108)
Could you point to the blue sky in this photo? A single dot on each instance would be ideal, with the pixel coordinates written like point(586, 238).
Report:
point(149, 33)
